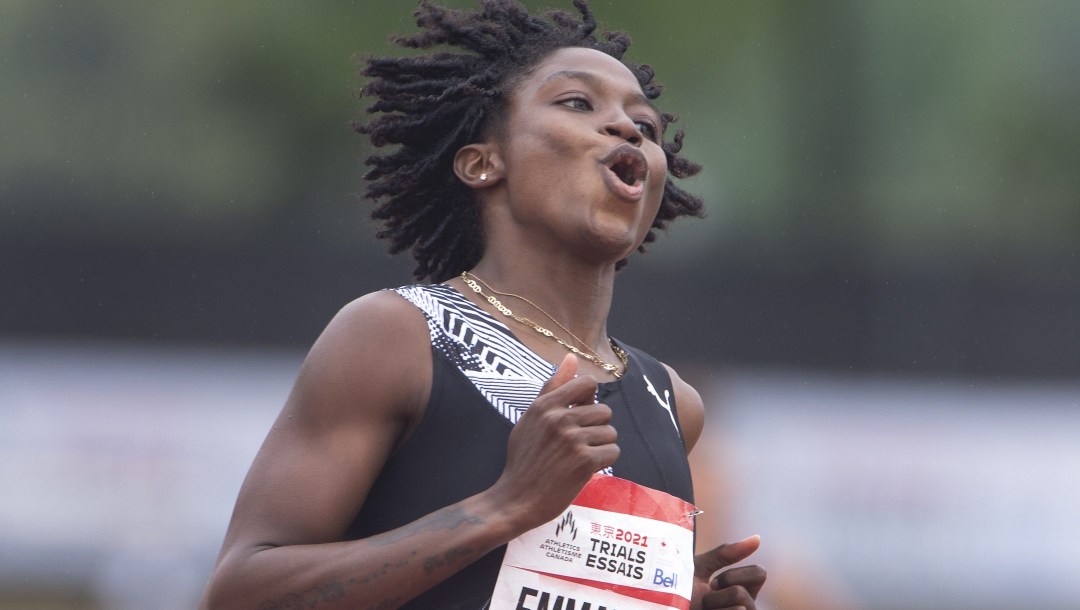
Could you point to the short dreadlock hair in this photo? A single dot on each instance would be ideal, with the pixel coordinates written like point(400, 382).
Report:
point(431, 105)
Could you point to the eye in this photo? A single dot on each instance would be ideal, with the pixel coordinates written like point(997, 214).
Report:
point(577, 103)
point(647, 128)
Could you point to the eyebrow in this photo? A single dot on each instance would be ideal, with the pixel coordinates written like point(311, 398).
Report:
point(596, 81)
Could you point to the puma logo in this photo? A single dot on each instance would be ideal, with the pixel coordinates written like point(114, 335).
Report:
point(664, 402)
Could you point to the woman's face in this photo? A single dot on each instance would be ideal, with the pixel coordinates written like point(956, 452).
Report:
point(583, 163)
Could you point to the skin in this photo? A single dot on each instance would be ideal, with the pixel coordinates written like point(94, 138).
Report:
point(555, 230)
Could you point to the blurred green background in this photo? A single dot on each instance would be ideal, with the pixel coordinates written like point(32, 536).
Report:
point(892, 186)
point(892, 254)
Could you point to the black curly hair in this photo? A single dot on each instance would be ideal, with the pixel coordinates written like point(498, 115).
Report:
point(431, 105)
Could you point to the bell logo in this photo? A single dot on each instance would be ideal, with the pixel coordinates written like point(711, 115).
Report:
point(665, 581)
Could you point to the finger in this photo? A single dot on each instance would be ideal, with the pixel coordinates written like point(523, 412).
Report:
point(731, 597)
point(567, 370)
point(604, 456)
point(579, 391)
point(751, 578)
point(724, 555)
point(574, 390)
point(596, 436)
point(590, 415)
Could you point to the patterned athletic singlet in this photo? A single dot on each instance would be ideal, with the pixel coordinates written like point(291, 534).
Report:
point(483, 379)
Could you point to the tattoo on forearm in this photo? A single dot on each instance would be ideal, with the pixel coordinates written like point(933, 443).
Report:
point(450, 557)
point(447, 519)
point(329, 592)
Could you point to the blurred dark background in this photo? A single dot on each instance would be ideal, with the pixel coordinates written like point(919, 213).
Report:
point(892, 187)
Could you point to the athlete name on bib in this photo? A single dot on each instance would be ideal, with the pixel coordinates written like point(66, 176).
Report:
point(619, 546)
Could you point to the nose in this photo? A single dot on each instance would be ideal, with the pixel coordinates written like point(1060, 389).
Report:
point(623, 127)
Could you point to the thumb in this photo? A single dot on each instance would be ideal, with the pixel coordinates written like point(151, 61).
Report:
point(567, 371)
point(724, 555)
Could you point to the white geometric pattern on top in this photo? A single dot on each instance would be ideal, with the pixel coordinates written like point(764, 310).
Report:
point(506, 373)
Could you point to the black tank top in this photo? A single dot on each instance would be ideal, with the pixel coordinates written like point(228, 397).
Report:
point(483, 379)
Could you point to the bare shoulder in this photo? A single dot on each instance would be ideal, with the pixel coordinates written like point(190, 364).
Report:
point(379, 342)
point(362, 385)
point(690, 407)
point(378, 315)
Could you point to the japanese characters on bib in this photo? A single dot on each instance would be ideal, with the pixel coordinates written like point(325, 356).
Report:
point(619, 546)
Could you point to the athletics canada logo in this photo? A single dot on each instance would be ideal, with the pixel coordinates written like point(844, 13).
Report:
point(559, 547)
point(566, 524)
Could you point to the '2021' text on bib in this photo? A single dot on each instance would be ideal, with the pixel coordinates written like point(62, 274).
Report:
point(619, 546)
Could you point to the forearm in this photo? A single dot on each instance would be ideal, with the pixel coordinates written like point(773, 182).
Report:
point(383, 571)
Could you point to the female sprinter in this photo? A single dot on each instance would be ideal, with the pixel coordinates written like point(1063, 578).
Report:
point(432, 424)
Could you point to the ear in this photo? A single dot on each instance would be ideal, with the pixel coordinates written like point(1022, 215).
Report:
point(478, 165)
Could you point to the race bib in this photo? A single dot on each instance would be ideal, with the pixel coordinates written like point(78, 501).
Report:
point(619, 546)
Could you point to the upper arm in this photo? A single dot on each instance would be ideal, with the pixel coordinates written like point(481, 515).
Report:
point(365, 379)
point(690, 407)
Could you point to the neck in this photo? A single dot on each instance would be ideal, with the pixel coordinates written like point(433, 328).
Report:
point(577, 296)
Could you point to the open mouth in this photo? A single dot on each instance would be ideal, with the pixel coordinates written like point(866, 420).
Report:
point(628, 164)
point(627, 171)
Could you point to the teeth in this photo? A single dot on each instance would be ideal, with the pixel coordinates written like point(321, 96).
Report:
point(627, 165)
point(625, 172)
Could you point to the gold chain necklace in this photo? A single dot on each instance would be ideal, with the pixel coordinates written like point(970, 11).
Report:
point(589, 355)
point(538, 308)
